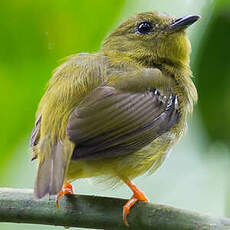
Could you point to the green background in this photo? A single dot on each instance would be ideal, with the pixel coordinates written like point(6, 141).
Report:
point(36, 35)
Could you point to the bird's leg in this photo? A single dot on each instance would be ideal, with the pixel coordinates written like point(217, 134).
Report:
point(67, 189)
point(138, 195)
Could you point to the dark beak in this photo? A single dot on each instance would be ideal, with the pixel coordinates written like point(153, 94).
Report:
point(184, 22)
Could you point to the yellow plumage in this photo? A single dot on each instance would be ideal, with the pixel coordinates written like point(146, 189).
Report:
point(118, 112)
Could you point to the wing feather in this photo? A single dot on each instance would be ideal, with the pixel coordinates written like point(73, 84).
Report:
point(113, 123)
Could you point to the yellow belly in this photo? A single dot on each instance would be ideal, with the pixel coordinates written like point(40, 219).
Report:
point(129, 166)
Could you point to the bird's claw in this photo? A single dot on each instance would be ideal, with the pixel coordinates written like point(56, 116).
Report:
point(67, 189)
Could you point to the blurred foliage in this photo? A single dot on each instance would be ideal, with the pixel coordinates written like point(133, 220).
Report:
point(213, 68)
point(34, 35)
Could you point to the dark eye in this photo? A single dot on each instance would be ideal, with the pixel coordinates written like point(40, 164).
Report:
point(144, 27)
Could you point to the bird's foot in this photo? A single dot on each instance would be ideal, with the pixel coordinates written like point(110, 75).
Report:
point(67, 189)
point(138, 195)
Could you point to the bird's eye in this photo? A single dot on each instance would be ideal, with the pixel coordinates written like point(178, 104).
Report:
point(144, 28)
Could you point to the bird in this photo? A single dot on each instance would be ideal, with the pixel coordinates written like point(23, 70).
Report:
point(116, 113)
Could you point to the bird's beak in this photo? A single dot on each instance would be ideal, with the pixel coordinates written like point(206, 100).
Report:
point(184, 22)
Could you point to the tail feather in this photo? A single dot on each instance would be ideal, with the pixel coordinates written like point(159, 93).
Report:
point(52, 170)
point(60, 162)
point(43, 178)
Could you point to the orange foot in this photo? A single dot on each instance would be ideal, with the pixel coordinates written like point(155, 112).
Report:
point(67, 189)
point(138, 195)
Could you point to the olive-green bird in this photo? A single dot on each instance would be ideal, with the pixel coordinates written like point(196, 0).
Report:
point(116, 113)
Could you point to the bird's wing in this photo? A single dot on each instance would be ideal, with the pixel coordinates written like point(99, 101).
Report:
point(111, 123)
point(36, 132)
point(35, 135)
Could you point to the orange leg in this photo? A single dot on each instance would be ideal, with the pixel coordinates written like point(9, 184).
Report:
point(138, 195)
point(67, 189)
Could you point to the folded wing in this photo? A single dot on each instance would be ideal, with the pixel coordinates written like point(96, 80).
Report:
point(108, 123)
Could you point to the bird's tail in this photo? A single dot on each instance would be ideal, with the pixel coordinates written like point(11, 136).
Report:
point(52, 166)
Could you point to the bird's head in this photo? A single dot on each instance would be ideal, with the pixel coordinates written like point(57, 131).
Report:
point(152, 39)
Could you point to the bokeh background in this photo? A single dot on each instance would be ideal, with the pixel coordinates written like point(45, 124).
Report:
point(36, 35)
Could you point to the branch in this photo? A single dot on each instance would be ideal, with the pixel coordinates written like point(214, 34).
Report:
point(19, 206)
